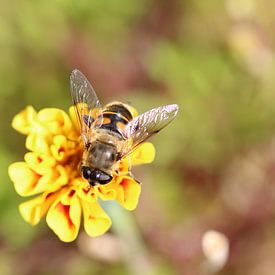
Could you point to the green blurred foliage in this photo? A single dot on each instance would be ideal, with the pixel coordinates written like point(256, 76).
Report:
point(215, 59)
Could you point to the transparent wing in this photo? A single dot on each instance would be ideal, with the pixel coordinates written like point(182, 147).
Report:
point(86, 103)
point(145, 125)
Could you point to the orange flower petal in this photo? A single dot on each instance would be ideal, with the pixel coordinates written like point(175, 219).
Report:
point(52, 167)
point(58, 149)
point(96, 221)
point(40, 163)
point(106, 192)
point(128, 192)
point(22, 122)
point(60, 177)
point(64, 219)
point(53, 180)
point(84, 191)
point(34, 210)
point(27, 182)
point(145, 153)
point(24, 178)
point(62, 148)
point(38, 143)
point(124, 166)
point(55, 120)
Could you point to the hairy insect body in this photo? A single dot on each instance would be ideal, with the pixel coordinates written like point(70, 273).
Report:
point(115, 117)
point(111, 133)
point(102, 153)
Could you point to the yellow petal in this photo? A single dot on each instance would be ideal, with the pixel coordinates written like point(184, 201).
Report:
point(56, 179)
point(106, 192)
point(145, 153)
point(27, 182)
point(128, 192)
point(124, 166)
point(34, 210)
point(55, 120)
point(38, 142)
point(22, 121)
point(40, 163)
point(62, 148)
point(58, 148)
point(96, 221)
point(64, 220)
point(84, 190)
point(24, 178)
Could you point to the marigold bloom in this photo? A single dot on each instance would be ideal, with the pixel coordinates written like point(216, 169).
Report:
point(51, 172)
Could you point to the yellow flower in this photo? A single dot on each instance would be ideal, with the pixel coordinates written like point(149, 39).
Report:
point(50, 171)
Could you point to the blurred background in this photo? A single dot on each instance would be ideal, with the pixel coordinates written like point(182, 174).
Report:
point(215, 164)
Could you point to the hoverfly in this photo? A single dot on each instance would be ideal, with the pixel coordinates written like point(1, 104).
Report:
point(111, 133)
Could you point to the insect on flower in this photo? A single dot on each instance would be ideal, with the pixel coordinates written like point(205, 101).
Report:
point(111, 133)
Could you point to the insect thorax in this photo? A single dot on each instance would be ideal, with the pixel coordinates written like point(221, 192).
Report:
point(101, 155)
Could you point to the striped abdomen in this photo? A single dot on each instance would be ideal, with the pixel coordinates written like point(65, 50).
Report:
point(115, 117)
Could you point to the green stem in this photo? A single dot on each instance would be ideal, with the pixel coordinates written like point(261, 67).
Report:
point(124, 226)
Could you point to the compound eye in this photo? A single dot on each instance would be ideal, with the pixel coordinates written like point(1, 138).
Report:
point(86, 172)
point(105, 178)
